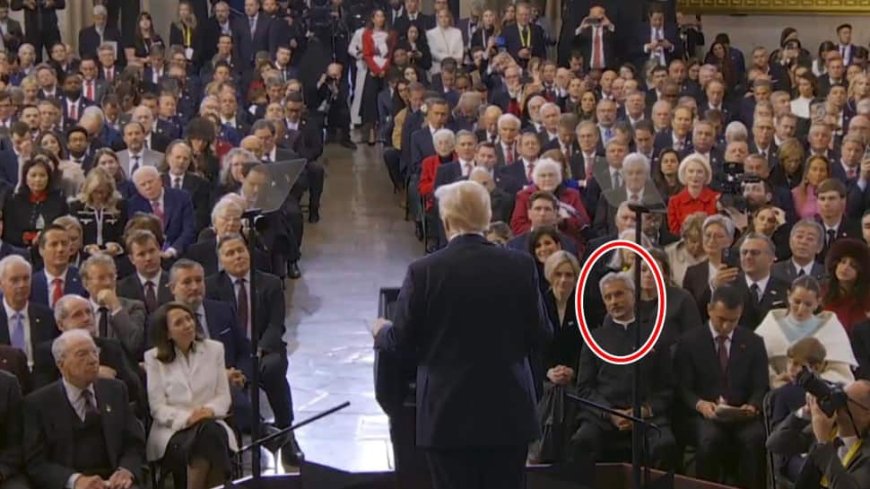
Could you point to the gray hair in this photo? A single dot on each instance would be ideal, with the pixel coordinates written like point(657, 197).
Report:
point(756, 235)
point(736, 131)
point(466, 205)
point(61, 343)
point(207, 98)
point(98, 260)
point(508, 119)
point(809, 223)
point(546, 164)
point(182, 264)
point(549, 106)
point(721, 221)
point(62, 304)
point(229, 202)
point(636, 159)
point(93, 111)
point(145, 170)
point(444, 135)
point(99, 9)
point(623, 277)
point(228, 158)
point(13, 260)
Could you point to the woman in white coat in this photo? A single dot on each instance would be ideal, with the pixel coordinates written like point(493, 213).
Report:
point(445, 41)
point(189, 395)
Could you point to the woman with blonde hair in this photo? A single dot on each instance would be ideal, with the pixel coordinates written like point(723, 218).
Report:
point(102, 212)
point(697, 196)
point(184, 32)
point(791, 156)
point(817, 171)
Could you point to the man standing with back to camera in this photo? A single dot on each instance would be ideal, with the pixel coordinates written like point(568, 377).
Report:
point(471, 314)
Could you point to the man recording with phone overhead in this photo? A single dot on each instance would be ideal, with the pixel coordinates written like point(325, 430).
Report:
point(838, 457)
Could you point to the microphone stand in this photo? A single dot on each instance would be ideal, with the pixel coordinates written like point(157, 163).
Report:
point(250, 217)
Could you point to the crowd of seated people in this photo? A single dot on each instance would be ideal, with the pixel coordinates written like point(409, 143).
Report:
point(757, 165)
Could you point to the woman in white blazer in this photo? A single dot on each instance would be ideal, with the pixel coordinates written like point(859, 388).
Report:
point(189, 395)
point(445, 41)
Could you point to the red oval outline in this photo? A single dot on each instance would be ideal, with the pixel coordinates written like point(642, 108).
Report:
point(647, 347)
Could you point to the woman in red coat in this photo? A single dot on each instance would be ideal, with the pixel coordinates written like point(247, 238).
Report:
point(547, 176)
point(376, 53)
point(695, 174)
point(445, 142)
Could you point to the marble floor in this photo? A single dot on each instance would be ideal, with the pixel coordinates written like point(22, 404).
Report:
point(361, 244)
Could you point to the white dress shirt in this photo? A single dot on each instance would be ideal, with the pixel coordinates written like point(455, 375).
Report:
point(762, 285)
point(50, 279)
point(716, 339)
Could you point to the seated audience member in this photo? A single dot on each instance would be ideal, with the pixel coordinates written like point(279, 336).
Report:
point(58, 277)
point(501, 202)
point(6, 248)
point(833, 444)
point(722, 378)
point(117, 317)
point(543, 242)
point(763, 291)
point(847, 293)
point(189, 395)
point(106, 159)
point(81, 431)
point(25, 324)
point(226, 218)
point(444, 141)
point(682, 313)
point(805, 243)
point(572, 215)
point(217, 321)
point(832, 215)
point(805, 194)
point(73, 229)
point(149, 284)
point(543, 208)
point(34, 205)
point(637, 187)
point(11, 453)
point(784, 327)
point(178, 175)
point(102, 212)
point(611, 385)
point(75, 312)
point(498, 233)
point(689, 250)
point(809, 353)
point(697, 196)
point(717, 236)
point(230, 286)
point(172, 206)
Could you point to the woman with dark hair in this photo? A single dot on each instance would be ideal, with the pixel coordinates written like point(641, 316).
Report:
point(666, 174)
point(543, 242)
point(682, 311)
point(189, 395)
point(106, 159)
point(200, 134)
point(417, 46)
point(586, 108)
point(847, 293)
point(805, 86)
point(376, 54)
point(35, 204)
point(144, 37)
point(718, 57)
point(819, 66)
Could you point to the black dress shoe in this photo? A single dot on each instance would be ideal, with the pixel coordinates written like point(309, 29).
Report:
point(347, 143)
point(313, 215)
point(293, 271)
point(291, 455)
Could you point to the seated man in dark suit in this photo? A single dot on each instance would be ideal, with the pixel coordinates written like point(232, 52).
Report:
point(831, 197)
point(11, 454)
point(80, 431)
point(611, 385)
point(149, 284)
point(7, 249)
point(833, 444)
point(173, 207)
point(24, 324)
point(58, 277)
point(179, 177)
point(719, 365)
point(229, 286)
point(637, 188)
point(543, 211)
point(73, 312)
point(804, 242)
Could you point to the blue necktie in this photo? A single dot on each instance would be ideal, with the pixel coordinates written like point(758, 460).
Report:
point(17, 337)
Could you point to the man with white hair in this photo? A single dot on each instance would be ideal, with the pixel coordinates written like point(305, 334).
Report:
point(507, 150)
point(637, 188)
point(611, 384)
point(90, 38)
point(24, 324)
point(172, 206)
point(549, 115)
point(474, 424)
point(81, 430)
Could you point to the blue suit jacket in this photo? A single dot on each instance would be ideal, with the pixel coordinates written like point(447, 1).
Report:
point(180, 221)
point(72, 284)
point(222, 326)
point(421, 147)
point(9, 167)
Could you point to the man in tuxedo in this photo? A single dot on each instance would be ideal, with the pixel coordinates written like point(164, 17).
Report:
point(232, 286)
point(24, 324)
point(58, 277)
point(805, 242)
point(724, 365)
point(178, 177)
point(831, 197)
point(253, 33)
point(149, 284)
point(524, 40)
point(474, 424)
point(174, 208)
point(40, 23)
point(81, 431)
point(118, 318)
point(610, 384)
point(90, 38)
point(596, 38)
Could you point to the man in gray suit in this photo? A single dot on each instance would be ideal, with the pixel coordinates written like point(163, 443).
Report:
point(137, 154)
point(805, 242)
point(117, 317)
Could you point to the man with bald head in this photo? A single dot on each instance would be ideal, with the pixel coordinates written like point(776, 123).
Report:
point(836, 452)
point(254, 145)
point(173, 207)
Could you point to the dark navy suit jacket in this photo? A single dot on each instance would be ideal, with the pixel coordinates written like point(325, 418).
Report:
point(72, 284)
point(179, 223)
point(223, 326)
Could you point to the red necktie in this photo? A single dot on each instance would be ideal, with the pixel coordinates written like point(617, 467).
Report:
point(597, 49)
point(509, 155)
point(530, 171)
point(158, 211)
point(90, 92)
point(56, 290)
point(73, 112)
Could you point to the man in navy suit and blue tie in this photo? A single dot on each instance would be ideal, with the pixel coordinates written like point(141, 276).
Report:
point(58, 278)
point(172, 206)
point(471, 314)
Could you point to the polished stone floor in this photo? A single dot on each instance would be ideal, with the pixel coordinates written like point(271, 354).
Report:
point(361, 244)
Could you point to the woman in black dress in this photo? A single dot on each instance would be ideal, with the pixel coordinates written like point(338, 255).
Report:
point(102, 213)
point(185, 32)
point(418, 48)
point(143, 39)
point(35, 205)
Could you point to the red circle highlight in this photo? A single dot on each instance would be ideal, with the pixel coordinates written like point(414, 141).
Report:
point(647, 347)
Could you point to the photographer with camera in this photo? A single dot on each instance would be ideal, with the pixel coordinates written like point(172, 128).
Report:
point(831, 429)
point(332, 96)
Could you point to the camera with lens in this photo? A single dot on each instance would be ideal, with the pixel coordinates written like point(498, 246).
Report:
point(830, 396)
point(732, 187)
